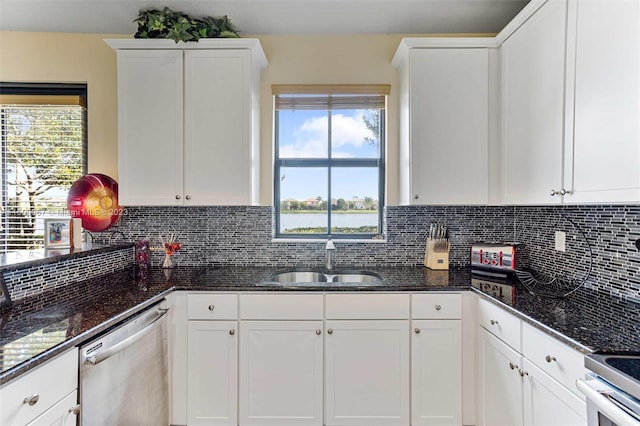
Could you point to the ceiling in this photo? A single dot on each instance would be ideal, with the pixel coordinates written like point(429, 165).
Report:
point(269, 16)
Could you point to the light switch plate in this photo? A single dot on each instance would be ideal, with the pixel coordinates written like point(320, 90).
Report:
point(561, 241)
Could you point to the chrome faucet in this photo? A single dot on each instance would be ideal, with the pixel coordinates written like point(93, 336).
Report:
point(330, 248)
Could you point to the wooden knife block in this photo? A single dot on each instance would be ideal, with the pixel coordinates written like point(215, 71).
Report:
point(436, 255)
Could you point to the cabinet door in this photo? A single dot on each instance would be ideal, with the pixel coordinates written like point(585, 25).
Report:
point(533, 87)
point(212, 373)
point(548, 403)
point(217, 149)
point(436, 373)
point(281, 373)
point(64, 413)
point(367, 373)
point(449, 126)
point(500, 387)
point(605, 155)
point(150, 127)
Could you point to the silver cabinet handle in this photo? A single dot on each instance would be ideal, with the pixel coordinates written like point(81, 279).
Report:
point(75, 410)
point(493, 322)
point(188, 197)
point(232, 332)
point(553, 192)
point(330, 331)
point(415, 196)
point(438, 307)
point(549, 358)
point(417, 331)
point(512, 366)
point(523, 373)
point(212, 307)
point(177, 197)
point(31, 400)
point(318, 332)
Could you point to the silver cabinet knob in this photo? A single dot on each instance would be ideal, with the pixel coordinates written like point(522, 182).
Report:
point(232, 332)
point(75, 410)
point(188, 197)
point(493, 322)
point(553, 192)
point(31, 400)
point(330, 331)
point(416, 196)
point(417, 331)
point(318, 332)
point(523, 373)
point(212, 307)
point(549, 358)
point(438, 307)
point(177, 197)
point(512, 366)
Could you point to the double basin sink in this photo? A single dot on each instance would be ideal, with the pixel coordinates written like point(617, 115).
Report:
point(331, 278)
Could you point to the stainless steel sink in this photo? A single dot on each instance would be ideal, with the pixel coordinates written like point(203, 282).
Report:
point(311, 277)
point(356, 277)
point(298, 277)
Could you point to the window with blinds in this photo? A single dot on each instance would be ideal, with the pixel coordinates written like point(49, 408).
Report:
point(43, 151)
point(329, 161)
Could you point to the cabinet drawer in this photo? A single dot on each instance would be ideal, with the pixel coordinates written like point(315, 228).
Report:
point(436, 306)
point(51, 381)
point(500, 323)
point(553, 357)
point(212, 306)
point(367, 306)
point(60, 414)
point(281, 306)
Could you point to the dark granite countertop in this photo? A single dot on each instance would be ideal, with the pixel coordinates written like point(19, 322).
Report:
point(39, 328)
point(36, 329)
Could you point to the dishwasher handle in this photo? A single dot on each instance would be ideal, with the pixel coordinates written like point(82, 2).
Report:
point(123, 344)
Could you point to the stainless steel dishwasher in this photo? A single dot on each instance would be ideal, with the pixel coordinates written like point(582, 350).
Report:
point(124, 373)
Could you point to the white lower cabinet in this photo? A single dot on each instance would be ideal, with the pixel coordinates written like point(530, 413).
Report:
point(64, 413)
point(547, 402)
point(436, 373)
point(367, 372)
point(281, 373)
point(532, 387)
point(500, 385)
point(44, 396)
point(212, 373)
point(211, 360)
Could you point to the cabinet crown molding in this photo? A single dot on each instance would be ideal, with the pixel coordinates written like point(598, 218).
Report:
point(409, 43)
point(252, 44)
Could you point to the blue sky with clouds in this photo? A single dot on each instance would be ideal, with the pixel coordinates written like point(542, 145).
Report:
point(303, 134)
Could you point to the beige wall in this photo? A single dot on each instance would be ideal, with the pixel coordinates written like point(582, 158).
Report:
point(73, 58)
point(319, 59)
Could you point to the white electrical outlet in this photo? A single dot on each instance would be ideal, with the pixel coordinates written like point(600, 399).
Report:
point(561, 241)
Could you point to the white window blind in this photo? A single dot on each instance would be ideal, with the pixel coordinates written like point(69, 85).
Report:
point(43, 149)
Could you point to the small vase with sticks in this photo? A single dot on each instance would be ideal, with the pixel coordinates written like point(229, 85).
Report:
point(170, 246)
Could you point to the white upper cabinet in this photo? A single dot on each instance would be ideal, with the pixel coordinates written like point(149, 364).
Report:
point(445, 112)
point(188, 121)
point(605, 154)
point(570, 83)
point(532, 101)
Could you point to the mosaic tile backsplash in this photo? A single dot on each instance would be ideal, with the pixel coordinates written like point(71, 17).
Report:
point(32, 281)
point(600, 239)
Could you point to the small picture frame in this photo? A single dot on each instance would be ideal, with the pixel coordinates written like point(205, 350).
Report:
point(56, 233)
